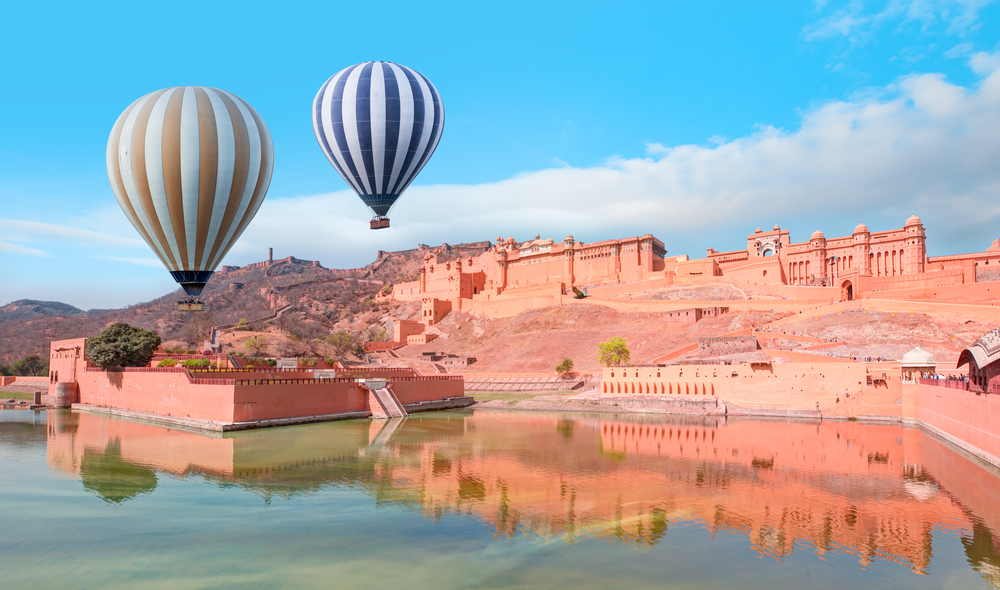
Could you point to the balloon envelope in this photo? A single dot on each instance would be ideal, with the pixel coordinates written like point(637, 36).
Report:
point(378, 123)
point(190, 166)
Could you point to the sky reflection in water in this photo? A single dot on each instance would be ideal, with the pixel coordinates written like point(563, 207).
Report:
point(482, 499)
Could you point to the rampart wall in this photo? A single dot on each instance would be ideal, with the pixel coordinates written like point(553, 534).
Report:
point(791, 386)
point(965, 418)
point(722, 345)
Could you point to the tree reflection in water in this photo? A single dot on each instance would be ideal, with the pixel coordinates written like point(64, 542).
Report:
point(113, 479)
point(877, 492)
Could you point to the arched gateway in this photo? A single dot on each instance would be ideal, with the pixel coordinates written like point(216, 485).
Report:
point(847, 291)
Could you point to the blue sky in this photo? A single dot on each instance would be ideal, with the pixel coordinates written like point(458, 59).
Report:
point(693, 121)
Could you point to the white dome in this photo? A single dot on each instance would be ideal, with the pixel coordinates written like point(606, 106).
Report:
point(918, 358)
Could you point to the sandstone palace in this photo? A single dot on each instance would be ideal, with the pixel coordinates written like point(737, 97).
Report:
point(511, 276)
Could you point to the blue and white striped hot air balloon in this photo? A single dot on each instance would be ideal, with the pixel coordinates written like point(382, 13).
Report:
point(378, 123)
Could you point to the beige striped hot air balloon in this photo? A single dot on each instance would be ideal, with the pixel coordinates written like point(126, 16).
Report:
point(190, 166)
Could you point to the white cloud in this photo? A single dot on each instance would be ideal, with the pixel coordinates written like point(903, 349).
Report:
point(855, 21)
point(18, 249)
point(984, 63)
point(921, 145)
point(153, 262)
point(36, 230)
point(960, 50)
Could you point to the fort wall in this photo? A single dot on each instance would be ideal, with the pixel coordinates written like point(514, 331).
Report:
point(723, 345)
point(962, 417)
point(791, 386)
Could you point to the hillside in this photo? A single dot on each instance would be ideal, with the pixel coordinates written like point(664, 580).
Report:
point(26, 309)
point(314, 301)
point(322, 300)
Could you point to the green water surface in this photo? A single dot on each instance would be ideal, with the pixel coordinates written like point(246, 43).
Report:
point(491, 499)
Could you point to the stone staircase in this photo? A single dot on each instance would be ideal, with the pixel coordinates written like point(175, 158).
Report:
point(389, 406)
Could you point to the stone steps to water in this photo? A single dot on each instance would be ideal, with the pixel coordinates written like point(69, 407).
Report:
point(389, 403)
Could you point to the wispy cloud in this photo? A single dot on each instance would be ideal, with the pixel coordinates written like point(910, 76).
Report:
point(19, 249)
point(921, 145)
point(858, 22)
point(153, 262)
point(26, 230)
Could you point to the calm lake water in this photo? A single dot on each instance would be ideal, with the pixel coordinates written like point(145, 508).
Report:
point(491, 499)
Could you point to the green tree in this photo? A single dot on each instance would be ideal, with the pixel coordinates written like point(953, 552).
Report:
point(30, 365)
point(613, 352)
point(340, 342)
point(375, 333)
point(242, 325)
point(565, 367)
point(122, 345)
point(6, 371)
point(255, 345)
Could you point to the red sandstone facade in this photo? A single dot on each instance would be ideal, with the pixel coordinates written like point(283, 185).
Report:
point(512, 277)
point(238, 398)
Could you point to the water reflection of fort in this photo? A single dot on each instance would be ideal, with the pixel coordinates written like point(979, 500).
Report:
point(874, 491)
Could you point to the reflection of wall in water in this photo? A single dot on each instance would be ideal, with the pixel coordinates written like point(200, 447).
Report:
point(860, 488)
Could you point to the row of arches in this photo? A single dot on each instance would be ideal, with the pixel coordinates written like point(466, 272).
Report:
point(686, 388)
point(881, 264)
point(798, 272)
point(887, 265)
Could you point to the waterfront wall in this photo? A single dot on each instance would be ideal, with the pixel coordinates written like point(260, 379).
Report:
point(965, 418)
point(251, 403)
point(247, 397)
point(791, 386)
point(157, 391)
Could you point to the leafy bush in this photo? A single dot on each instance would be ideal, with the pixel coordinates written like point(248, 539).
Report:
point(122, 345)
point(613, 352)
point(30, 365)
point(196, 363)
point(255, 345)
point(167, 363)
point(339, 343)
point(309, 362)
point(272, 362)
point(565, 367)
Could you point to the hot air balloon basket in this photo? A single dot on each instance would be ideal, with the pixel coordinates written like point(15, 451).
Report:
point(379, 222)
point(191, 305)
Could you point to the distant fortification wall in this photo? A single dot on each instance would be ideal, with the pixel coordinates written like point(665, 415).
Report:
point(721, 345)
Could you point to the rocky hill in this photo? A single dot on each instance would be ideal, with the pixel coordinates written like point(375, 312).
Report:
point(321, 300)
point(26, 309)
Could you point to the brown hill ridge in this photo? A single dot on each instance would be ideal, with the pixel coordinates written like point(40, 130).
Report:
point(322, 298)
point(315, 301)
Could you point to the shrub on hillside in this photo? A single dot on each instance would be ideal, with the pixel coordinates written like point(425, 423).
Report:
point(565, 367)
point(256, 345)
point(167, 363)
point(30, 365)
point(339, 343)
point(613, 352)
point(122, 345)
point(196, 363)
